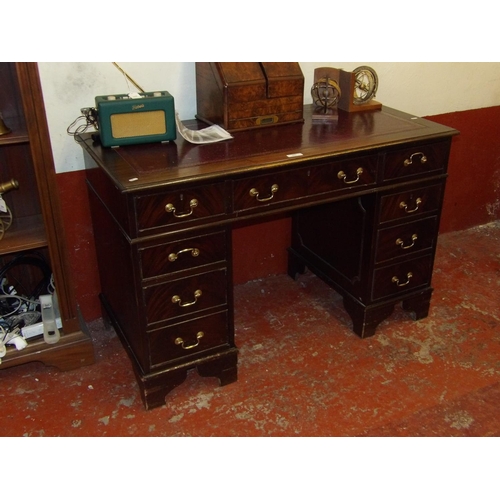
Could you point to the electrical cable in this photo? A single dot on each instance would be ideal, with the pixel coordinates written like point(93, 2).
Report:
point(89, 116)
point(20, 299)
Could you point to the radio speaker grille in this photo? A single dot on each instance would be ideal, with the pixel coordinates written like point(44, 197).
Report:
point(143, 123)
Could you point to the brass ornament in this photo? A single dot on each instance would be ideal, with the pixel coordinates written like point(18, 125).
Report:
point(5, 212)
point(359, 88)
point(365, 86)
point(325, 93)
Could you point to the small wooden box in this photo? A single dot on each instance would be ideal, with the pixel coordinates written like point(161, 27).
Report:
point(244, 95)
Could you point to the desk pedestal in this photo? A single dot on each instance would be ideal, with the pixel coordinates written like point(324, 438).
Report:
point(372, 263)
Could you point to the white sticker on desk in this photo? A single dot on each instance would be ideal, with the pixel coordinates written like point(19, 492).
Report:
point(293, 155)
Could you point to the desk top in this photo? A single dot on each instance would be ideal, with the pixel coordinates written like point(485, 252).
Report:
point(138, 167)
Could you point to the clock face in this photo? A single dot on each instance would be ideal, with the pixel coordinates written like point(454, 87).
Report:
point(366, 84)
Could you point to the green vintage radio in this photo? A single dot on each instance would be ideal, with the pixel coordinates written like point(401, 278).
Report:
point(137, 118)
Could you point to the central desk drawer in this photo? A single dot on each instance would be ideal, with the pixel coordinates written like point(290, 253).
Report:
point(190, 253)
point(188, 338)
point(185, 296)
point(261, 193)
point(179, 207)
point(346, 174)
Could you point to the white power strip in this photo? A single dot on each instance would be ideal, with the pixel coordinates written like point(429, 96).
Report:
point(36, 329)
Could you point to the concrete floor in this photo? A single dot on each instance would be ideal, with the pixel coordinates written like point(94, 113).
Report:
point(302, 372)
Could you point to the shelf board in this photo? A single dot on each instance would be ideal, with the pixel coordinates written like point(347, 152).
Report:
point(27, 233)
point(73, 350)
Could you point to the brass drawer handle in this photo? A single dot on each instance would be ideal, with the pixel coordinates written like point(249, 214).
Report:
point(177, 300)
point(409, 161)
point(174, 256)
point(255, 193)
point(342, 175)
point(180, 341)
point(404, 206)
point(409, 276)
point(192, 204)
point(401, 243)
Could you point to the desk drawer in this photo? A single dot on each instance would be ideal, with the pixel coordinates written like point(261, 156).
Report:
point(406, 239)
point(191, 253)
point(188, 338)
point(401, 278)
point(261, 193)
point(185, 296)
point(178, 207)
point(407, 204)
point(416, 160)
point(348, 174)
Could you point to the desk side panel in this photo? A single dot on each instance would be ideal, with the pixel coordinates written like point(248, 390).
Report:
point(118, 277)
point(108, 193)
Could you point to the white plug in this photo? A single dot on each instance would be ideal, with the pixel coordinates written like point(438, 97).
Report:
point(19, 342)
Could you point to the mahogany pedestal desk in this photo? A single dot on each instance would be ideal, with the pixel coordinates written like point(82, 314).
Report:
point(365, 193)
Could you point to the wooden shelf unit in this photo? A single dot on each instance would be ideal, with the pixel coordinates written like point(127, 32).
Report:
point(37, 226)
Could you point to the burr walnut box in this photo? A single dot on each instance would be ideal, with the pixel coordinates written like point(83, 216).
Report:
point(245, 95)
